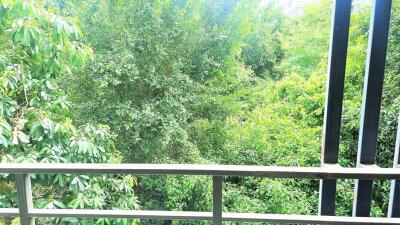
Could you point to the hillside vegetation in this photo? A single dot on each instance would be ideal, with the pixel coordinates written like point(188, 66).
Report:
point(180, 81)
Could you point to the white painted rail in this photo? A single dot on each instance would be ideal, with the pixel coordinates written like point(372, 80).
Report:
point(325, 172)
point(27, 212)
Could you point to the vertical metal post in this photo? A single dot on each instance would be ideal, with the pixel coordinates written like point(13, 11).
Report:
point(334, 100)
point(372, 96)
point(217, 200)
point(394, 200)
point(25, 202)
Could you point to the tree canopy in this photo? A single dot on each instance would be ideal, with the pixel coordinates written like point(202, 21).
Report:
point(180, 81)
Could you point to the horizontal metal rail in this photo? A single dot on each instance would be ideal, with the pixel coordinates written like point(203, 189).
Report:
point(28, 212)
point(325, 172)
point(10, 212)
point(206, 216)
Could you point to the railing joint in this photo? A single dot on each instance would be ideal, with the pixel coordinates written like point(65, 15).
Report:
point(370, 166)
point(331, 165)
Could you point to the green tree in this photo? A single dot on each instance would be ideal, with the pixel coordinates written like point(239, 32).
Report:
point(38, 47)
point(305, 39)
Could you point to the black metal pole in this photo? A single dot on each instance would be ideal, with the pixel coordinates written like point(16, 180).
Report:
point(334, 100)
point(373, 84)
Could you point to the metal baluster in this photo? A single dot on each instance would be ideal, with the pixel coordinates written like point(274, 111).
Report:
point(394, 201)
point(373, 84)
point(334, 100)
point(25, 202)
point(217, 200)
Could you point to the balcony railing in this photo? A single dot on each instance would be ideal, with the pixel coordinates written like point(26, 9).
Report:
point(364, 174)
point(27, 212)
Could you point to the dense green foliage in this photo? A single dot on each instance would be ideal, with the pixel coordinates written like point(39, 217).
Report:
point(38, 48)
point(180, 81)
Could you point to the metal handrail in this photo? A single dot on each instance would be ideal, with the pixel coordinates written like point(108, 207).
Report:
point(27, 212)
point(325, 172)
